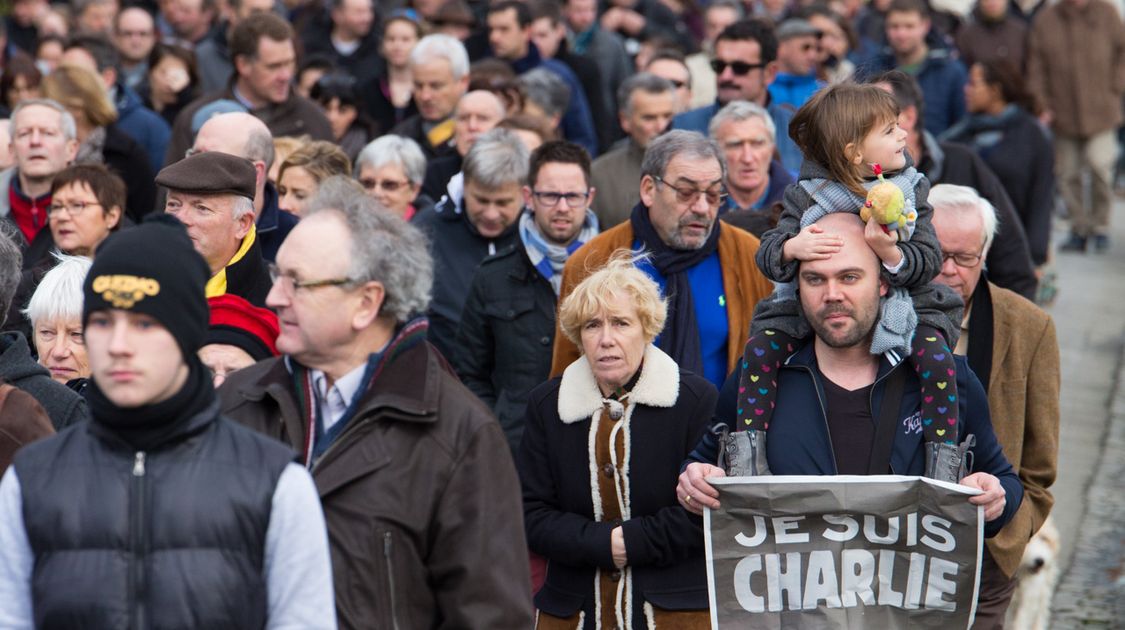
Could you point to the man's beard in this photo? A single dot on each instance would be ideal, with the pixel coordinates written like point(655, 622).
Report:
point(861, 331)
point(677, 240)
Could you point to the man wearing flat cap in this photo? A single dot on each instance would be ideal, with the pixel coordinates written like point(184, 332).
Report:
point(212, 194)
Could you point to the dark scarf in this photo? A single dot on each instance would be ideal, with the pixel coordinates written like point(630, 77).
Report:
point(981, 333)
point(149, 426)
point(680, 338)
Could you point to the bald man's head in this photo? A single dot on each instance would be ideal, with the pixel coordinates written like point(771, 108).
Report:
point(236, 133)
point(477, 112)
point(840, 294)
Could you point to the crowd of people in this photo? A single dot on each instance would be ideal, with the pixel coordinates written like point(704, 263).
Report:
point(436, 313)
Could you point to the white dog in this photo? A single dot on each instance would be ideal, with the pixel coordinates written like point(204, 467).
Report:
point(1037, 574)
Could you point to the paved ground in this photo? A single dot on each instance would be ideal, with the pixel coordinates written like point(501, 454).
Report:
point(1090, 491)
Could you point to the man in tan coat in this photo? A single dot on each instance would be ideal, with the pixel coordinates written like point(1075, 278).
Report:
point(1011, 345)
point(1076, 70)
point(705, 269)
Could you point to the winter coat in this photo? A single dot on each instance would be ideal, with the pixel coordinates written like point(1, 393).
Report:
point(458, 249)
point(419, 494)
point(799, 442)
point(504, 341)
point(273, 224)
point(577, 124)
point(942, 78)
point(143, 125)
point(981, 39)
point(565, 507)
point(1019, 152)
point(414, 128)
point(22, 421)
point(1076, 66)
point(363, 63)
point(195, 523)
point(126, 158)
point(213, 62)
point(793, 90)
point(617, 177)
point(1009, 261)
point(1013, 347)
point(18, 368)
point(743, 284)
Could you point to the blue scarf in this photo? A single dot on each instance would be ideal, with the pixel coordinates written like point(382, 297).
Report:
point(547, 257)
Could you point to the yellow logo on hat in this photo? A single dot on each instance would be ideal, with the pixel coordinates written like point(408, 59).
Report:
point(125, 291)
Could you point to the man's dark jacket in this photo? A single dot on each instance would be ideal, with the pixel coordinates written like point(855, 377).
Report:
point(18, 368)
point(420, 496)
point(799, 441)
point(1009, 261)
point(458, 249)
point(506, 336)
point(414, 128)
point(363, 63)
point(162, 538)
point(273, 224)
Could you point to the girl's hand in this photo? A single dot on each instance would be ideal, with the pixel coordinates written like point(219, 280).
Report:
point(882, 242)
point(811, 243)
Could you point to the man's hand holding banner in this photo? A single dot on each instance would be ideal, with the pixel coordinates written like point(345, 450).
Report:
point(843, 552)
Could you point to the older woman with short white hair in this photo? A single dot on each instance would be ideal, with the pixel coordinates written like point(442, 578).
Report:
point(55, 313)
point(391, 169)
point(602, 447)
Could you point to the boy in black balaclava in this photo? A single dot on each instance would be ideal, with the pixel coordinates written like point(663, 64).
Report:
point(159, 512)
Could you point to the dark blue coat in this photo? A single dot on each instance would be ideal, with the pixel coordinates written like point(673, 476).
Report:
point(799, 443)
point(143, 125)
point(942, 80)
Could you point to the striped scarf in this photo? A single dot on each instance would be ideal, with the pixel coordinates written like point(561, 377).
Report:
point(549, 258)
point(831, 196)
point(317, 440)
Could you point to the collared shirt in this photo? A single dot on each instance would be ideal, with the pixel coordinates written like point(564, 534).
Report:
point(963, 342)
point(333, 401)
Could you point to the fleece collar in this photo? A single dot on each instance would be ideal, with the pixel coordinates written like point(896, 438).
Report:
point(658, 386)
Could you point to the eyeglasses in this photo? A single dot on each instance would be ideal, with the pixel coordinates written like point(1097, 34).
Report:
point(962, 260)
point(389, 185)
point(291, 284)
point(550, 199)
point(689, 195)
point(74, 208)
point(739, 68)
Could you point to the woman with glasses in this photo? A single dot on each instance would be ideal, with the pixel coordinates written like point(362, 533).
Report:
point(301, 173)
point(87, 205)
point(391, 169)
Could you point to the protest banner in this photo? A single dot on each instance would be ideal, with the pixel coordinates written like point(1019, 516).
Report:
point(842, 551)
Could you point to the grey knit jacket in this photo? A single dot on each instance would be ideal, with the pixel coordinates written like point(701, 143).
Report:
point(936, 305)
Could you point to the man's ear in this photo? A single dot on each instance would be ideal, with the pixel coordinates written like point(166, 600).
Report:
point(372, 296)
point(648, 190)
point(244, 222)
point(908, 118)
point(884, 286)
point(527, 197)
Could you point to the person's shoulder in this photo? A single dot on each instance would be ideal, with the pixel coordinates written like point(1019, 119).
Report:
point(250, 382)
point(502, 260)
point(1015, 310)
point(694, 387)
point(616, 154)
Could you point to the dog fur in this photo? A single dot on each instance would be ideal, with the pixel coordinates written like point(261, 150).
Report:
point(1037, 575)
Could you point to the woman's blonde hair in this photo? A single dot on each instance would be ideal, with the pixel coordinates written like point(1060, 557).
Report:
point(835, 117)
point(322, 159)
point(618, 278)
point(78, 87)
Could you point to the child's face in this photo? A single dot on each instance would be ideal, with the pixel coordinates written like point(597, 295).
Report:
point(884, 145)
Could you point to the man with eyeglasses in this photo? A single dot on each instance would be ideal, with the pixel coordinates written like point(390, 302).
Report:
point(212, 194)
point(1011, 345)
point(745, 65)
point(670, 64)
point(507, 328)
point(419, 492)
point(477, 218)
point(648, 103)
point(704, 269)
point(797, 54)
point(44, 142)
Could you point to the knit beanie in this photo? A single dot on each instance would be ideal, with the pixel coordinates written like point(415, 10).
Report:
point(152, 269)
point(236, 322)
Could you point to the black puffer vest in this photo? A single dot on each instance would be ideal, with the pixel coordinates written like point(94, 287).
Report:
point(170, 538)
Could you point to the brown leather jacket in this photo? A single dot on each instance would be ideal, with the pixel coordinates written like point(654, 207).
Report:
point(422, 501)
point(22, 420)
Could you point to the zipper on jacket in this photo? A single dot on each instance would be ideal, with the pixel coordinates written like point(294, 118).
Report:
point(137, 544)
point(875, 413)
point(823, 414)
point(387, 546)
